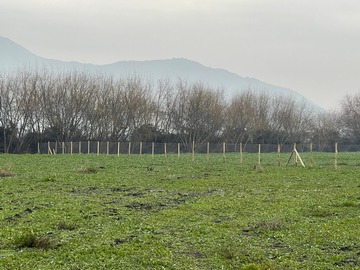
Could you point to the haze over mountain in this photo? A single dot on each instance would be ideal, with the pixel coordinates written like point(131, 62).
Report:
point(14, 56)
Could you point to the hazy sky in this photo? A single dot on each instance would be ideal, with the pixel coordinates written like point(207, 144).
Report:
point(311, 46)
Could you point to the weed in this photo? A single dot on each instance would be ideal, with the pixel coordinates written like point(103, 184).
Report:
point(49, 179)
point(319, 211)
point(6, 173)
point(31, 240)
point(272, 225)
point(228, 253)
point(66, 226)
point(258, 168)
point(89, 169)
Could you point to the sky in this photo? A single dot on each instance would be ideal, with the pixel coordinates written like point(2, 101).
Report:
point(310, 46)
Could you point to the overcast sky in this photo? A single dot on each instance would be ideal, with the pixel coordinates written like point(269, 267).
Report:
point(310, 46)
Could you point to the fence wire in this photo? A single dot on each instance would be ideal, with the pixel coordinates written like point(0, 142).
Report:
point(121, 148)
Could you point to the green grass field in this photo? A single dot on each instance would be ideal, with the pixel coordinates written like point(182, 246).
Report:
point(127, 212)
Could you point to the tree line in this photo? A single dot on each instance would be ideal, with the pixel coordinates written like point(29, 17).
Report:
point(77, 106)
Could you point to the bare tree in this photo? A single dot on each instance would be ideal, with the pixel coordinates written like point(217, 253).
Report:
point(327, 129)
point(138, 104)
point(197, 113)
point(65, 100)
point(247, 117)
point(291, 120)
point(350, 117)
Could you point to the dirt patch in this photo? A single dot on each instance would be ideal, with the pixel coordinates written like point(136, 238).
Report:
point(139, 206)
point(121, 189)
point(353, 261)
point(135, 194)
point(119, 241)
point(145, 206)
point(6, 173)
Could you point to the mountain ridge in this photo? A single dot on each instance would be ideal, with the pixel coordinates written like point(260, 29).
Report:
point(13, 55)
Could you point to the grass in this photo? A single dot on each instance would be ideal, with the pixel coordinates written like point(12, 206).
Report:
point(31, 240)
point(109, 212)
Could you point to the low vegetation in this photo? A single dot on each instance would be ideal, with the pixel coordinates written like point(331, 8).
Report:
point(110, 212)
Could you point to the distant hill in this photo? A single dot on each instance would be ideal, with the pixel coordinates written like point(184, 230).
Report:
point(12, 55)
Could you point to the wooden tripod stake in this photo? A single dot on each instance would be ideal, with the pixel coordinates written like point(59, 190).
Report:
point(296, 156)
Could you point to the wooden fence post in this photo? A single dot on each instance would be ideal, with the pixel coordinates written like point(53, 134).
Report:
point(39, 148)
point(98, 148)
point(79, 147)
point(129, 150)
point(296, 154)
point(107, 148)
point(118, 148)
point(152, 150)
point(241, 153)
point(49, 148)
point(71, 148)
point(279, 149)
point(311, 154)
point(141, 146)
point(259, 154)
point(193, 151)
point(224, 150)
point(63, 148)
point(178, 151)
point(88, 147)
point(208, 151)
point(336, 155)
point(165, 155)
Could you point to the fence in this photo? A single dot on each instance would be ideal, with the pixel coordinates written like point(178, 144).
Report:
point(293, 153)
point(120, 148)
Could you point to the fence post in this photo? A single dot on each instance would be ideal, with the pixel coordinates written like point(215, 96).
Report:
point(295, 156)
point(141, 149)
point(49, 148)
point(193, 151)
point(241, 153)
point(107, 148)
point(311, 154)
point(279, 149)
point(79, 147)
point(71, 148)
point(118, 148)
point(178, 151)
point(165, 155)
point(88, 146)
point(336, 155)
point(129, 150)
point(152, 150)
point(259, 154)
point(224, 150)
point(98, 148)
point(39, 148)
point(63, 148)
point(207, 151)
point(55, 149)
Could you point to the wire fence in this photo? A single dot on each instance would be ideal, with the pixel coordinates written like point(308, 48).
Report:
point(140, 148)
point(253, 154)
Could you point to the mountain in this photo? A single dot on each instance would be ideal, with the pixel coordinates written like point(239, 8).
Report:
point(190, 71)
point(13, 56)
